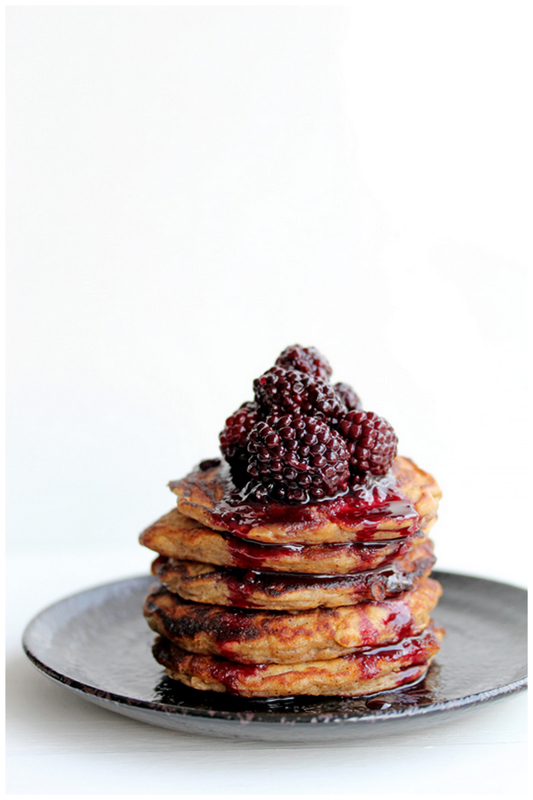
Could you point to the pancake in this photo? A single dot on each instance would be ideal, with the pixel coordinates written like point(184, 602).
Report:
point(177, 536)
point(386, 507)
point(269, 637)
point(363, 673)
point(205, 583)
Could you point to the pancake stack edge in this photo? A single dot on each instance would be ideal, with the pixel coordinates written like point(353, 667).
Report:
point(321, 608)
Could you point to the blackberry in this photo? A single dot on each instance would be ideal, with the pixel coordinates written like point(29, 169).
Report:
point(287, 391)
point(209, 463)
point(305, 359)
point(347, 395)
point(296, 458)
point(371, 441)
point(234, 439)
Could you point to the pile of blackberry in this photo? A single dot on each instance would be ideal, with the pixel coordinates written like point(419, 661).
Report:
point(303, 439)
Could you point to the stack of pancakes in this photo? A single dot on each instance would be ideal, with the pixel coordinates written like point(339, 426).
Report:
point(310, 601)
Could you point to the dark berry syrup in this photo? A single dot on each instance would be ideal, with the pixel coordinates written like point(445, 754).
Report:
point(246, 589)
point(248, 554)
point(363, 509)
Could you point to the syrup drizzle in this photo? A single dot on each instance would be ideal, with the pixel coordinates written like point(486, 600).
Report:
point(248, 554)
point(362, 509)
point(376, 584)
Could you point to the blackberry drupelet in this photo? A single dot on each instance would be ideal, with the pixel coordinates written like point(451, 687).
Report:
point(371, 441)
point(297, 458)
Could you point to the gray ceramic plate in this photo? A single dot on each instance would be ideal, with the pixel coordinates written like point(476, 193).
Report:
point(98, 645)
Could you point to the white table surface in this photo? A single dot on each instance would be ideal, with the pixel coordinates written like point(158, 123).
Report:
point(59, 744)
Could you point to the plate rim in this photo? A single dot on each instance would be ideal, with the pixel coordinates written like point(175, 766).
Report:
point(258, 716)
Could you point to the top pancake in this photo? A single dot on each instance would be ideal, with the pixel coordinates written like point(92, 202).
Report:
point(404, 496)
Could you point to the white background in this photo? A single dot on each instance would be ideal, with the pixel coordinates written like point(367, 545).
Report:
point(191, 189)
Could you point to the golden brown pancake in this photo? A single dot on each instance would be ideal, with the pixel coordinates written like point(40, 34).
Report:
point(269, 637)
point(205, 583)
point(360, 673)
point(177, 536)
point(390, 507)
